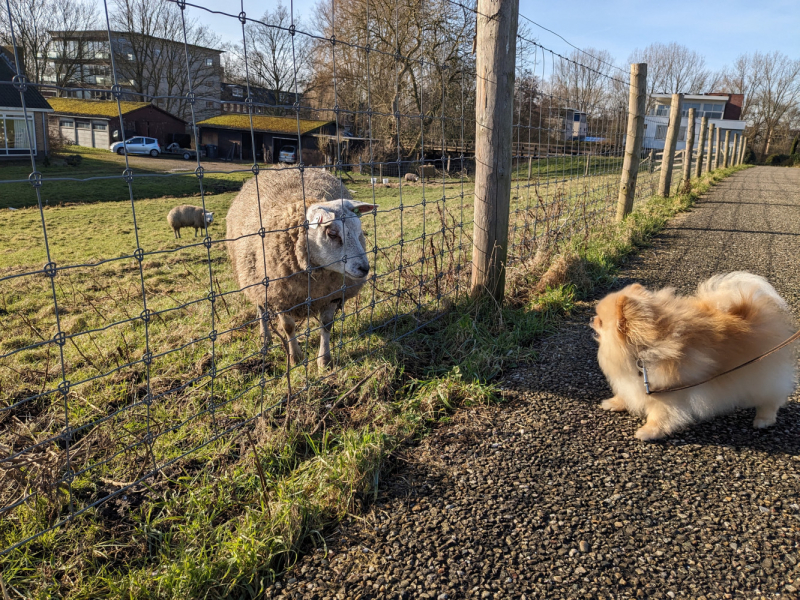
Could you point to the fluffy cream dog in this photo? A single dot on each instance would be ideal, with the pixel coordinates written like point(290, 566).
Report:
point(682, 340)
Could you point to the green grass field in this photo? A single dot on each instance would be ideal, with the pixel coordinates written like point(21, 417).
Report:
point(207, 525)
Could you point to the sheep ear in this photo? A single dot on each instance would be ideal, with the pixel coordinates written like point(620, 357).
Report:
point(360, 208)
point(317, 215)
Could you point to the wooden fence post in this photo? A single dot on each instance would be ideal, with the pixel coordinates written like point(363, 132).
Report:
point(674, 127)
point(687, 155)
point(726, 150)
point(735, 150)
point(701, 146)
point(496, 45)
point(743, 150)
point(710, 157)
point(637, 104)
point(718, 151)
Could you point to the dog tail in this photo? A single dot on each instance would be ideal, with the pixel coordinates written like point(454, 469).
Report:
point(740, 292)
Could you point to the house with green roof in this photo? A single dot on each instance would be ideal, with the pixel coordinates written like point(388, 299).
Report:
point(232, 136)
point(96, 123)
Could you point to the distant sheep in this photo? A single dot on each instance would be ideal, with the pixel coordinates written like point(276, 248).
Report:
point(411, 177)
point(325, 261)
point(186, 215)
point(427, 171)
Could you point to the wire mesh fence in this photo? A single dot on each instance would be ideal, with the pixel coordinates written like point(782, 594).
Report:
point(127, 349)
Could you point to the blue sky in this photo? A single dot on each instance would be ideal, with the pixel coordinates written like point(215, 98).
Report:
point(719, 30)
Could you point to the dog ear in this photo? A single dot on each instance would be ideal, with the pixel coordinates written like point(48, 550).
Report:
point(635, 320)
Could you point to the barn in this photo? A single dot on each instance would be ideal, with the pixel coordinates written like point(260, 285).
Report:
point(95, 123)
point(231, 135)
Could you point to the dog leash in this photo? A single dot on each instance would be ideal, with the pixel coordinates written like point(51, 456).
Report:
point(643, 369)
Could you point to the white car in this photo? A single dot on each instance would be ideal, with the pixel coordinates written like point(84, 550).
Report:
point(288, 154)
point(137, 145)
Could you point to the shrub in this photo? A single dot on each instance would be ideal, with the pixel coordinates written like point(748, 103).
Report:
point(775, 160)
point(749, 157)
point(73, 160)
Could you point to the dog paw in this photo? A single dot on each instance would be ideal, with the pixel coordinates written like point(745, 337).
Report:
point(647, 433)
point(614, 404)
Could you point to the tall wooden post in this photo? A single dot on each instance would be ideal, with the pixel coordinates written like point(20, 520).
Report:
point(735, 151)
point(710, 157)
point(718, 153)
point(687, 155)
point(674, 128)
point(726, 150)
point(496, 45)
point(743, 151)
point(701, 146)
point(637, 104)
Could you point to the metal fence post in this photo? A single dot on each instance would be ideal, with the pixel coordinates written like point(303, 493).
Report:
point(665, 181)
point(701, 146)
point(687, 155)
point(637, 104)
point(496, 45)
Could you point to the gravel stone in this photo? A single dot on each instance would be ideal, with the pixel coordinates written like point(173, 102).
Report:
point(494, 504)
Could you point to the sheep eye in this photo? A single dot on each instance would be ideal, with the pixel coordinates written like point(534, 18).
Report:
point(333, 235)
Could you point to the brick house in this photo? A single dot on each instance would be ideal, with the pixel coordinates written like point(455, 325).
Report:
point(15, 137)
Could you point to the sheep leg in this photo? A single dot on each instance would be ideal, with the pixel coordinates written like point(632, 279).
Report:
point(295, 352)
point(326, 320)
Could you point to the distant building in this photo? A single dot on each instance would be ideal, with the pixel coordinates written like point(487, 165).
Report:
point(95, 123)
point(723, 110)
point(265, 101)
point(16, 138)
point(147, 67)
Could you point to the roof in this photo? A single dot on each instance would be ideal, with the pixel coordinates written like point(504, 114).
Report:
point(264, 123)
point(9, 96)
point(102, 35)
point(707, 97)
point(99, 108)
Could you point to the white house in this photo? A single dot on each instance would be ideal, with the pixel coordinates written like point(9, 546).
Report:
point(723, 110)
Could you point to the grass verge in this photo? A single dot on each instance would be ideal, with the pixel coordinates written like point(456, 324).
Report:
point(226, 521)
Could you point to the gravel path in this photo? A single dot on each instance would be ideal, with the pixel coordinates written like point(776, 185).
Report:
point(550, 497)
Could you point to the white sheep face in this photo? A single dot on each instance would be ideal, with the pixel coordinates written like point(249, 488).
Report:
point(209, 218)
point(335, 239)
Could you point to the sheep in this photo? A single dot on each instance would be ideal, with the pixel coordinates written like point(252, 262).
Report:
point(186, 215)
point(312, 247)
point(427, 171)
point(411, 177)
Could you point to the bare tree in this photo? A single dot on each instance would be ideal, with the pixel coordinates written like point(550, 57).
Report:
point(276, 60)
point(672, 69)
point(33, 20)
point(66, 67)
point(771, 85)
point(151, 57)
point(583, 78)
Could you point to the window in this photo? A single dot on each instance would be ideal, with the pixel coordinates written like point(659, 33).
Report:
point(209, 62)
point(237, 92)
point(662, 110)
point(687, 105)
point(66, 123)
point(149, 141)
point(14, 135)
point(209, 105)
point(83, 124)
point(135, 141)
point(682, 134)
point(130, 56)
point(661, 132)
point(100, 125)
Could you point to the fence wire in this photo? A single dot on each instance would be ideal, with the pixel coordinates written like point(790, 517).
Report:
point(125, 350)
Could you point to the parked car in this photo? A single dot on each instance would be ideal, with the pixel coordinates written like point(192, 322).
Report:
point(186, 153)
point(137, 145)
point(288, 154)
